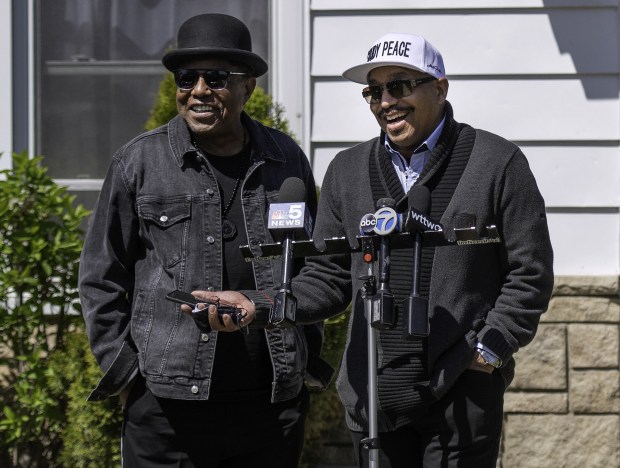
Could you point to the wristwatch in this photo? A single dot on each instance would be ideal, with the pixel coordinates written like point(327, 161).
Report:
point(489, 358)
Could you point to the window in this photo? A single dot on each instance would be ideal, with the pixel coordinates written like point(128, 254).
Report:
point(98, 68)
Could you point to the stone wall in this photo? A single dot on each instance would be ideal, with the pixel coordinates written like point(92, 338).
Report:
point(563, 408)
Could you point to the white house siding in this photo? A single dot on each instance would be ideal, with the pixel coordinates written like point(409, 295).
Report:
point(544, 74)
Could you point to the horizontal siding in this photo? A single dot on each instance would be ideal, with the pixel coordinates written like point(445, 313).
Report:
point(569, 177)
point(576, 176)
point(330, 5)
point(547, 110)
point(585, 243)
point(545, 74)
point(545, 42)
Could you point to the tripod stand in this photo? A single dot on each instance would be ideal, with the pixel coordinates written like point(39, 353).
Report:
point(369, 289)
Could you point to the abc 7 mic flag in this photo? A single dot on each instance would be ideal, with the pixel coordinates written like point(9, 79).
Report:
point(383, 222)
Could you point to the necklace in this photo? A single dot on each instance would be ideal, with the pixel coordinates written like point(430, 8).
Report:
point(229, 230)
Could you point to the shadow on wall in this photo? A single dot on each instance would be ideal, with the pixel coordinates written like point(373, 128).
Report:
point(590, 36)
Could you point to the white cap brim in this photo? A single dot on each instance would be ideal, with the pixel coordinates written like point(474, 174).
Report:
point(359, 73)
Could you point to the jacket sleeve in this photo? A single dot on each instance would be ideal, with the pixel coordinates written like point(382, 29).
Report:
point(318, 372)
point(528, 279)
point(323, 286)
point(106, 278)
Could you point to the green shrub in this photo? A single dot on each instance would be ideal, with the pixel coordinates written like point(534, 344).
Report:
point(326, 412)
point(91, 437)
point(165, 107)
point(40, 244)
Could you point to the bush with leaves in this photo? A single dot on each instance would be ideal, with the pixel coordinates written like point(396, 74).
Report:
point(40, 245)
point(91, 436)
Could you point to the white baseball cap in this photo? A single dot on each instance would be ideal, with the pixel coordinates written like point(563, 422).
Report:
point(402, 50)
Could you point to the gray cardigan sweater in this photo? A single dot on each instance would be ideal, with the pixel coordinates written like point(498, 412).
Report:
point(492, 293)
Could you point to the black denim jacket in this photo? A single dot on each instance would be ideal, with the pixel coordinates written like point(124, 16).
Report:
point(156, 228)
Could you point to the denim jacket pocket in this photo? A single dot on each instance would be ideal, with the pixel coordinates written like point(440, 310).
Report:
point(164, 225)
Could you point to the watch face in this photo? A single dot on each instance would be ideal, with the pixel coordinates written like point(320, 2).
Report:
point(490, 359)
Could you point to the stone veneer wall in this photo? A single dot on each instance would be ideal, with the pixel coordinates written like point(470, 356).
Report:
point(563, 408)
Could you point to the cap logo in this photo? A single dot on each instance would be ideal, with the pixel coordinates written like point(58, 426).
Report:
point(435, 67)
point(389, 48)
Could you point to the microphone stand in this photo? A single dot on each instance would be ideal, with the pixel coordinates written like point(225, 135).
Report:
point(285, 304)
point(370, 443)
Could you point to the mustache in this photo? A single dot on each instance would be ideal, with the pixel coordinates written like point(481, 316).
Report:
point(395, 108)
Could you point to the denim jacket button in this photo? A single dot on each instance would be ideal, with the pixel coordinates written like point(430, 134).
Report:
point(210, 239)
point(163, 218)
point(194, 389)
point(204, 337)
point(210, 192)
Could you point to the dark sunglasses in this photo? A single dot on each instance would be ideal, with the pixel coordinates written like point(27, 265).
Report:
point(397, 89)
point(186, 79)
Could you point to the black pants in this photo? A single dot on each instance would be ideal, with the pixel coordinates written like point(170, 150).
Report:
point(159, 432)
point(462, 430)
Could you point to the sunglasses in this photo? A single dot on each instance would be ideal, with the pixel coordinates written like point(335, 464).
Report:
point(397, 89)
point(186, 79)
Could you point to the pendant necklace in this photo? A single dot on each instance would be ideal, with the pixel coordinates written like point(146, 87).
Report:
point(229, 230)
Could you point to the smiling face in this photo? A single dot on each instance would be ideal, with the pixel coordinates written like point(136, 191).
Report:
point(213, 116)
point(408, 121)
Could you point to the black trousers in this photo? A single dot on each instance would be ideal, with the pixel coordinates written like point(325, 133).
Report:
point(462, 430)
point(159, 432)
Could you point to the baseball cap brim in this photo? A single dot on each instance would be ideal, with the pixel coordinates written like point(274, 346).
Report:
point(359, 73)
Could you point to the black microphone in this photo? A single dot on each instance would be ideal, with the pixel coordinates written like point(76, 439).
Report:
point(289, 220)
point(417, 213)
point(415, 307)
point(387, 222)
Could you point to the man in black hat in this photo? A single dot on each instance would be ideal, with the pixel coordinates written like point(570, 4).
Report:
point(176, 204)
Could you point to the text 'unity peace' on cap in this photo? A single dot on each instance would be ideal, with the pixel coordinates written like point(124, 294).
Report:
point(401, 50)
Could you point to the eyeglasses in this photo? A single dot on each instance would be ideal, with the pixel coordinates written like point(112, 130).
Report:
point(397, 89)
point(186, 79)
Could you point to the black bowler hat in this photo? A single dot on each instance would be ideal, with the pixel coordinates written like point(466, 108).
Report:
point(215, 35)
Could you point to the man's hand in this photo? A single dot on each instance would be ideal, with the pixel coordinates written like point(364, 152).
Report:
point(478, 364)
point(225, 298)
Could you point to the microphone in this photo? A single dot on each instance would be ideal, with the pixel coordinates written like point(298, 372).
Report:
point(419, 203)
point(415, 307)
point(289, 219)
point(387, 222)
point(367, 237)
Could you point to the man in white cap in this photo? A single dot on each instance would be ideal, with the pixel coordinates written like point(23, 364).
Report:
point(175, 206)
point(440, 396)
